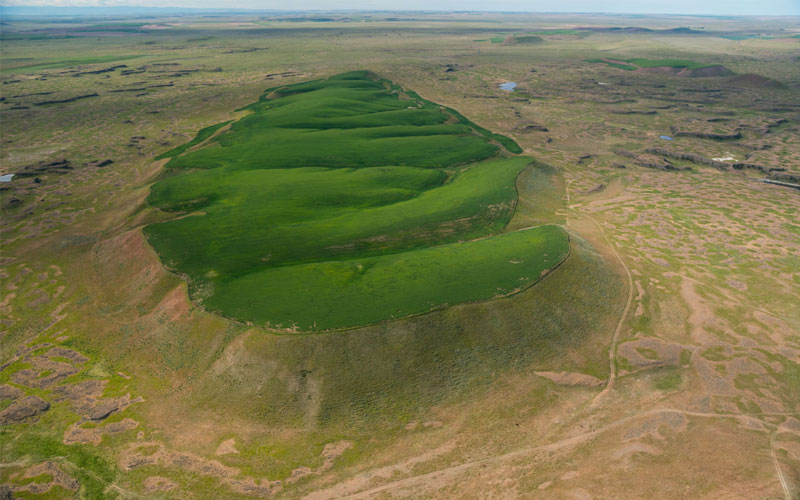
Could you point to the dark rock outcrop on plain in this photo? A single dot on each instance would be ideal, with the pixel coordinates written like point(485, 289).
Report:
point(45, 167)
point(648, 160)
point(62, 101)
point(736, 135)
point(23, 409)
point(633, 112)
point(99, 71)
point(99, 163)
point(531, 127)
point(784, 177)
point(701, 160)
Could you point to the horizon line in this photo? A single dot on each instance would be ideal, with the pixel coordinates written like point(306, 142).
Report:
point(421, 11)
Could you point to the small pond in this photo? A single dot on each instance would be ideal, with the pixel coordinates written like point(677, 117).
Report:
point(508, 85)
point(665, 137)
point(6, 178)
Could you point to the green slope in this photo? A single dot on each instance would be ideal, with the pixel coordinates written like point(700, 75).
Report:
point(333, 175)
point(337, 294)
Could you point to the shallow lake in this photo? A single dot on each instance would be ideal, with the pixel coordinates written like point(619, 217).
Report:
point(665, 137)
point(508, 85)
point(6, 178)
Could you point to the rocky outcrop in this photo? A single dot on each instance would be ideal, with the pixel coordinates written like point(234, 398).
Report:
point(530, 127)
point(784, 177)
point(688, 157)
point(701, 160)
point(62, 101)
point(23, 409)
point(633, 112)
point(736, 135)
point(99, 71)
point(99, 163)
point(649, 160)
point(45, 167)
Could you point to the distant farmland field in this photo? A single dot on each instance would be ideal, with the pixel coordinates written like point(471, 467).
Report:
point(343, 202)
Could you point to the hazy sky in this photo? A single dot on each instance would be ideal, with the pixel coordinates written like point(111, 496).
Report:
point(707, 7)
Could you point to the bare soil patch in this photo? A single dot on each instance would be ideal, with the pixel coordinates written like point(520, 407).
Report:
point(227, 447)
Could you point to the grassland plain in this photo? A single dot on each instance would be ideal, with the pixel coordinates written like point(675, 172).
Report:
point(476, 400)
point(299, 192)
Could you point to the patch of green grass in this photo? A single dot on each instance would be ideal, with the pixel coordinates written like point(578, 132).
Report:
point(668, 382)
point(350, 167)
point(540, 197)
point(626, 67)
point(351, 120)
point(748, 406)
point(508, 143)
point(328, 295)
point(715, 354)
point(93, 472)
point(749, 382)
point(201, 136)
point(647, 353)
point(260, 219)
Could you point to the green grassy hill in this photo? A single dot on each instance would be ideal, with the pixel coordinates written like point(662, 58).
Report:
point(342, 202)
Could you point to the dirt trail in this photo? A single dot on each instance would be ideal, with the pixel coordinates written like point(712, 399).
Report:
point(786, 492)
point(449, 472)
point(612, 351)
